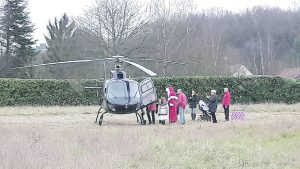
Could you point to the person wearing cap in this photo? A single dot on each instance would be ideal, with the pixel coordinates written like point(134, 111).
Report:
point(213, 104)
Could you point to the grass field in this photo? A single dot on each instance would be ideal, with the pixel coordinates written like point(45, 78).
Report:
point(66, 137)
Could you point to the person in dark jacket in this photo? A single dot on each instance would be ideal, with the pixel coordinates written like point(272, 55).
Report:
point(213, 104)
point(193, 101)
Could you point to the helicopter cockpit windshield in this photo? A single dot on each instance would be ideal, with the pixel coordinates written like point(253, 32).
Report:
point(119, 89)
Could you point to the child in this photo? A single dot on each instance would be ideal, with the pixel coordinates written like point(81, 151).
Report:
point(163, 111)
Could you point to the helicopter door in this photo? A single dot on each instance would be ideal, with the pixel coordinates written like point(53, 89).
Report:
point(148, 93)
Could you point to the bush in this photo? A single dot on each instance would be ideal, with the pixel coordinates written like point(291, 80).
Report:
point(47, 92)
point(243, 90)
point(72, 92)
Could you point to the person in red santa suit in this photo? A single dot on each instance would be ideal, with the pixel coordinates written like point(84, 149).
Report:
point(172, 99)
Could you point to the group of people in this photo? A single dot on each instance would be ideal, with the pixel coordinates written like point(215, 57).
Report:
point(172, 107)
point(195, 100)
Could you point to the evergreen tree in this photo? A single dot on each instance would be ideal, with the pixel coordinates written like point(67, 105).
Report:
point(60, 44)
point(17, 30)
point(59, 32)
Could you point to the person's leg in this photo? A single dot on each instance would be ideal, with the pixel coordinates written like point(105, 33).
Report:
point(142, 116)
point(224, 112)
point(213, 115)
point(149, 118)
point(183, 116)
point(181, 113)
point(193, 114)
point(170, 111)
point(153, 117)
point(227, 113)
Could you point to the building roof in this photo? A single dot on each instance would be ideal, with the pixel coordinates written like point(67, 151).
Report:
point(240, 70)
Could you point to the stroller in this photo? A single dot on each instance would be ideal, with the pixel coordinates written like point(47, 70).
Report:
point(205, 110)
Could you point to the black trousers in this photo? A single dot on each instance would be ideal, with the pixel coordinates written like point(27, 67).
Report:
point(213, 115)
point(226, 111)
point(149, 117)
point(193, 116)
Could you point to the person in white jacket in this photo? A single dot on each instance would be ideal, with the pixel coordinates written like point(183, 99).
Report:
point(163, 111)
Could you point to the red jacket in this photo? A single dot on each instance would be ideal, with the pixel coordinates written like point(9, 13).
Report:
point(226, 99)
point(152, 107)
point(182, 100)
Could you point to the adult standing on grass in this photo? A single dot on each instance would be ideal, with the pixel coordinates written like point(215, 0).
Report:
point(213, 104)
point(181, 104)
point(172, 98)
point(193, 101)
point(226, 103)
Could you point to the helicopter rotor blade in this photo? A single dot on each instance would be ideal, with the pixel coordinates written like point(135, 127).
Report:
point(59, 63)
point(149, 72)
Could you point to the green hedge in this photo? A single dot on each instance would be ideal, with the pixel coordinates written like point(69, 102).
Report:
point(243, 90)
point(47, 92)
point(72, 92)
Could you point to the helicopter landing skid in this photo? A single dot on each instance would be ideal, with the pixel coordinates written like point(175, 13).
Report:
point(139, 117)
point(101, 117)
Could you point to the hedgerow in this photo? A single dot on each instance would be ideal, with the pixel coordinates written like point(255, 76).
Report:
point(243, 90)
point(47, 92)
point(71, 92)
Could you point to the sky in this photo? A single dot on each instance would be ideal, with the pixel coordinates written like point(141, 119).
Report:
point(44, 10)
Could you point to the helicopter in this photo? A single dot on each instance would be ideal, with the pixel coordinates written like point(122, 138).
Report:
point(121, 95)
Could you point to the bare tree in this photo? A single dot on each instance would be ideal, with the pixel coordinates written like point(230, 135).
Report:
point(113, 23)
point(168, 14)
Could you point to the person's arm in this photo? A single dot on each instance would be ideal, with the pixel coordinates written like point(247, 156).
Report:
point(190, 99)
point(179, 101)
point(224, 100)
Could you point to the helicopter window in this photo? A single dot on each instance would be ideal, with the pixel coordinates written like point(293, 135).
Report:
point(120, 76)
point(117, 90)
point(146, 87)
point(134, 90)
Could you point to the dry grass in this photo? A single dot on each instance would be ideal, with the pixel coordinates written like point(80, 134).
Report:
point(66, 137)
point(269, 107)
point(53, 110)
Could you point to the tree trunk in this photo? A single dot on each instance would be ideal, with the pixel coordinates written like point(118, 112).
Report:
point(261, 56)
